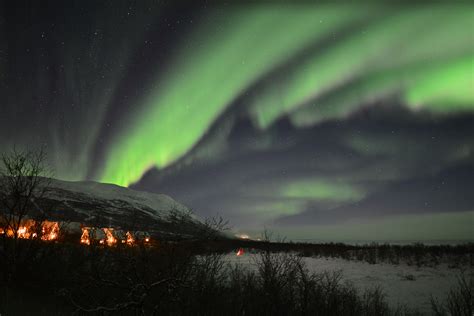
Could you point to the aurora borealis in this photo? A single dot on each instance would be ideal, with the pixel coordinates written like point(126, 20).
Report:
point(332, 121)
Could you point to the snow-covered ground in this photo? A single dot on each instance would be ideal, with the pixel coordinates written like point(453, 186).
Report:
point(113, 196)
point(407, 285)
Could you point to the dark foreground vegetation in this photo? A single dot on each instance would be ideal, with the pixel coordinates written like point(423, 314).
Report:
point(54, 278)
point(60, 276)
point(412, 254)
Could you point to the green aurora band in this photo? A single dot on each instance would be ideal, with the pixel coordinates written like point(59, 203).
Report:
point(312, 63)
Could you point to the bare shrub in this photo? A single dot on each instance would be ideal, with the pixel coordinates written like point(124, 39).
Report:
point(460, 300)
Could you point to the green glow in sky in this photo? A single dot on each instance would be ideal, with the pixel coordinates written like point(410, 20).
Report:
point(267, 211)
point(405, 228)
point(215, 65)
point(384, 58)
point(439, 87)
point(318, 189)
point(445, 88)
point(324, 60)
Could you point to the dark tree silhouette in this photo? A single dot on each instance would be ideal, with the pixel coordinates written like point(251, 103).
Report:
point(23, 183)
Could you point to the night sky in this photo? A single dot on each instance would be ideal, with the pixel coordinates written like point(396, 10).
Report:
point(330, 122)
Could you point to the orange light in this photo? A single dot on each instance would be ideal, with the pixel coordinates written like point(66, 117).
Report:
point(110, 239)
point(23, 233)
point(50, 231)
point(130, 240)
point(85, 239)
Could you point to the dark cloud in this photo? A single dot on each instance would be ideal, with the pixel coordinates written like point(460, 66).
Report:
point(395, 161)
point(448, 191)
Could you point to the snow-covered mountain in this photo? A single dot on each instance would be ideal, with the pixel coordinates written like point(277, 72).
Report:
point(107, 205)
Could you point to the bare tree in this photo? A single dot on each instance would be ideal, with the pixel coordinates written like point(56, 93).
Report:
point(23, 183)
point(214, 227)
point(210, 228)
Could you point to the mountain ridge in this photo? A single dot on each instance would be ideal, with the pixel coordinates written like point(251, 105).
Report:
point(95, 204)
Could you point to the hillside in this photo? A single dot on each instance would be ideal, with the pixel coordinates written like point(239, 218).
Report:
point(107, 205)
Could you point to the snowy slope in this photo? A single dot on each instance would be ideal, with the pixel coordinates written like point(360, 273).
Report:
point(107, 205)
point(120, 198)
